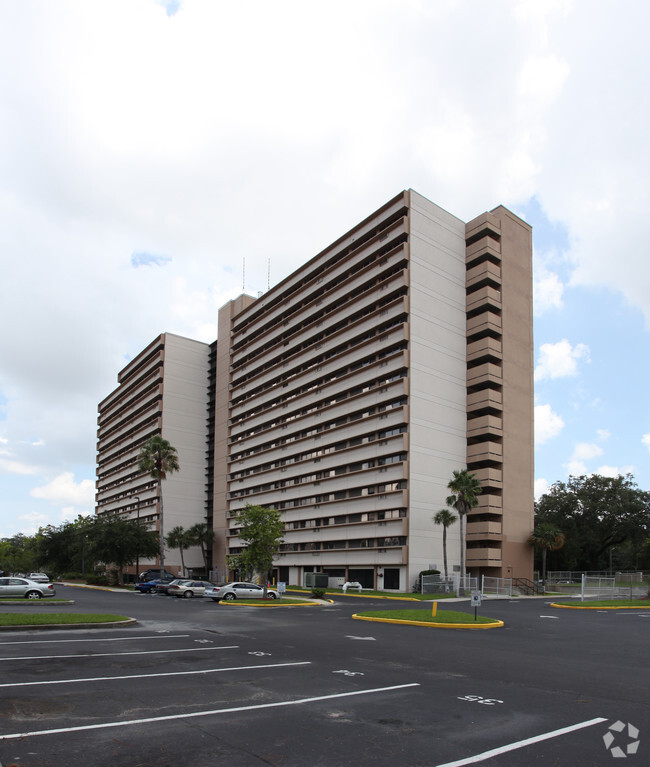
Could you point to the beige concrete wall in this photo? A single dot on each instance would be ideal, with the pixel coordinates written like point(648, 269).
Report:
point(518, 442)
point(185, 411)
point(437, 401)
point(221, 430)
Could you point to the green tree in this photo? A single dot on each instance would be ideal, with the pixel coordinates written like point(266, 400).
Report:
point(241, 564)
point(65, 548)
point(595, 513)
point(158, 459)
point(465, 489)
point(18, 554)
point(262, 530)
point(445, 518)
point(116, 540)
point(202, 536)
point(180, 538)
point(546, 537)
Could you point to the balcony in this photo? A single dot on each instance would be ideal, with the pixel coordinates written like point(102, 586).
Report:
point(487, 297)
point(484, 451)
point(488, 372)
point(485, 425)
point(484, 348)
point(485, 271)
point(479, 530)
point(484, 399)
point(483, 557)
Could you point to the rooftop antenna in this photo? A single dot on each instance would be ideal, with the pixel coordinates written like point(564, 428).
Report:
point(268, 276)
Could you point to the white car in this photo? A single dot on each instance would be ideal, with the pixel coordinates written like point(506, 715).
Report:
point(38, 577)
point(23, 587)
point(187, 588)
point(232, 591)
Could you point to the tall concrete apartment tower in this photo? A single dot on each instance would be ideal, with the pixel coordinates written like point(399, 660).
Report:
point(162, 391)
point(347, 394)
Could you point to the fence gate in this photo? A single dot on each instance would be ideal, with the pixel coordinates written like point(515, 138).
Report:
point(496, 588)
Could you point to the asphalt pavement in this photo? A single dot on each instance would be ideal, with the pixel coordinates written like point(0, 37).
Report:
point(195, 683)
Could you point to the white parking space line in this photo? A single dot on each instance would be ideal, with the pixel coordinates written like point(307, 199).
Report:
point(152, 676)
point(116, 654)
point(522, 743)
point(106, 639)
point(214, 712)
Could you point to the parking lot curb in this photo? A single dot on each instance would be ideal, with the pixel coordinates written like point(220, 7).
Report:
point(59, 626)
point(18, 602)
point(429, 624)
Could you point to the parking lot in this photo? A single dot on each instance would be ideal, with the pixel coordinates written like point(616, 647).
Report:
point(199, 683)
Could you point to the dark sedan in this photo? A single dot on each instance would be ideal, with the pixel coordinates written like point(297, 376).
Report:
point(148, 587)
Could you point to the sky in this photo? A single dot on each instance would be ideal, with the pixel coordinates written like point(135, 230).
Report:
point(158, 157)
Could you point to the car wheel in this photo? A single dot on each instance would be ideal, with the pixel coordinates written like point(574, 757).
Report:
point(188, 594)
point(270, 595)
point(230, 597)
point(33, 595)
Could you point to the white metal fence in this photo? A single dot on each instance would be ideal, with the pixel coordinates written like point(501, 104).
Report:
point(496, 588)
point(438, 584)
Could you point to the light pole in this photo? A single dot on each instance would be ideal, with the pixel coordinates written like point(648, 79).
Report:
point(137, 556)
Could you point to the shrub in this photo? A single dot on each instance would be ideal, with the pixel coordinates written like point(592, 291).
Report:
point(418, 583)
point(318, 593)
point(97, 580)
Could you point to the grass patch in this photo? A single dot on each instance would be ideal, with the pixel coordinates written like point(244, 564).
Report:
point(424, 616)
point(264, 602)
point(14, 619)
point(606, 603)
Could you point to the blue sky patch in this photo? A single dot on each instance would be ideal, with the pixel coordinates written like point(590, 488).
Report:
point(148, 259)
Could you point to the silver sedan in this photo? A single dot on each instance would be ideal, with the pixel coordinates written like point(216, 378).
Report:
point(232, 591)
point(23, 587)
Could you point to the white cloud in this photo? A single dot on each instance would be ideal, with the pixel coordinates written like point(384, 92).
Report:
point(64, 490)
point(10, 466)
point(541, 487)
point(614, 471)
point(547, 424)
point(547, 292)
point(110, 155)
point(31, 522)
point(560, 360)
point(603, 434)
point(582, 452)
point(646, 440)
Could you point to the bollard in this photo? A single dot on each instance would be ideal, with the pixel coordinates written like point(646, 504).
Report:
point(434, 610)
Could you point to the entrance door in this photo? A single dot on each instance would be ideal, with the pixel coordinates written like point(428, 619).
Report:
point(365, 577)
point(391, 578)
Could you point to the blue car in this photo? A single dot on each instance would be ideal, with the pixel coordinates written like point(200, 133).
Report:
point(148, 587)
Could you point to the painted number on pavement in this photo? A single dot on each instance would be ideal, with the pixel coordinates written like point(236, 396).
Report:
point(480, 699)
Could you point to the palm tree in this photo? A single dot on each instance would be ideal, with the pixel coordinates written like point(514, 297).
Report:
point(158, 458)
point(465, 490)
point(180, 538)
point(445, 518)
point(546, 537)
point(202, 535)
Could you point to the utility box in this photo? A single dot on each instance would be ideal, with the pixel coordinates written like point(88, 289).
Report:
point(316, 580)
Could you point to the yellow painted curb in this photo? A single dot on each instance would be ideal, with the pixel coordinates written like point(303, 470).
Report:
point(600, 607)
point(495, 624)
